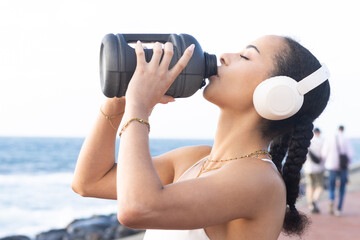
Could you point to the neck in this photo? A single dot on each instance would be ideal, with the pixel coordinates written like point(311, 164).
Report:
point(236, 135)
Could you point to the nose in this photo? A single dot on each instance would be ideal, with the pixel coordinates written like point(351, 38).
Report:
point(225, 59)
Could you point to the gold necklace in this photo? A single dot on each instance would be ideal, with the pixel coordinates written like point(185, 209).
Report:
point(255, 154)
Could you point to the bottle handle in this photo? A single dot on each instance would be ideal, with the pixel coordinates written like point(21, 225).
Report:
point(147, 38)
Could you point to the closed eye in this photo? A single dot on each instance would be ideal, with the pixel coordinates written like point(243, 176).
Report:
point(242, 56)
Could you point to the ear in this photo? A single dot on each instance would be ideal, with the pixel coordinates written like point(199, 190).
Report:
point(277, 98)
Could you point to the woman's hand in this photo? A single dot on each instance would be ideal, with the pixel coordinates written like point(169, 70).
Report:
point(151, 80)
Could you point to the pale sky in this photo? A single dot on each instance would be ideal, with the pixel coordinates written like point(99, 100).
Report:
point(49, 57)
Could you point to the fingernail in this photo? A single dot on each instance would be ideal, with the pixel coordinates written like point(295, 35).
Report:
point(191, 47)
point(138, 42)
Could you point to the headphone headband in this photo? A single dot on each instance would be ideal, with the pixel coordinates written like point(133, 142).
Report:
point(313, 80)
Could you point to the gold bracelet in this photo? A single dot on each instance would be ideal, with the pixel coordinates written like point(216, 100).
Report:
point(111, 117)
point(142, 121)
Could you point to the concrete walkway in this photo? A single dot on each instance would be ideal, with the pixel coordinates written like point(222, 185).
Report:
point(329, 227)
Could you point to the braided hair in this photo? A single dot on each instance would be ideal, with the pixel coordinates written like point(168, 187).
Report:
point(290, 138)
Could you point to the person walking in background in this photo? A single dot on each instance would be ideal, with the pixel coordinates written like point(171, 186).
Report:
point(314, 172)
point(338, 152)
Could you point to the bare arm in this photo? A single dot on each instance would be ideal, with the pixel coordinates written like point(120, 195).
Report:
point(95, 172)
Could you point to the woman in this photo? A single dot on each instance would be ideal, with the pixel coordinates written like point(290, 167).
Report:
point(231, 190)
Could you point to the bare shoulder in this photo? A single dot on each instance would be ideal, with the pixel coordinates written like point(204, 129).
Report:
point(265, 176)
point(173, 163)
point(188, 151)
point(260, 180)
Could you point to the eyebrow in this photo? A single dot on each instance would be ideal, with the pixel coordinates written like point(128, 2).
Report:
point(252, 46)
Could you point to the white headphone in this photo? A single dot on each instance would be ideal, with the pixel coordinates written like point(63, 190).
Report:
point(281, 97)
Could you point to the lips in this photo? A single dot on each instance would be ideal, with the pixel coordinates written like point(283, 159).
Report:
point(215, 76)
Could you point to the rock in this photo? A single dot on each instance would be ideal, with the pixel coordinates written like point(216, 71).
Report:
point(91, 228)
point(95, 223)
point(119, 232)
point(16, 237)
point(99, 227)
point(56, 234)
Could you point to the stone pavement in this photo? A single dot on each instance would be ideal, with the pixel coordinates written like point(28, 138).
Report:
point(329, 227)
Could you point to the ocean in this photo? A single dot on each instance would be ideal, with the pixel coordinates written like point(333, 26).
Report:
point(35, 182)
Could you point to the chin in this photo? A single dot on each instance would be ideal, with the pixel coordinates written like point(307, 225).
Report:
point(209, 93)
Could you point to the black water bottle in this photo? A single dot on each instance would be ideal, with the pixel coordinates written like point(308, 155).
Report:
point(118, 63)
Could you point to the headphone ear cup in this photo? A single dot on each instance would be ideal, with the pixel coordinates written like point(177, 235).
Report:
point(277, 98)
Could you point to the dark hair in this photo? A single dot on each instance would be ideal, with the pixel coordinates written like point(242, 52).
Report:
point(290, 138)
point(341, 128)
point(316, 130)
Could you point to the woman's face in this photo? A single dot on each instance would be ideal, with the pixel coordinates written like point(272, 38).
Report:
point(240, 73)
